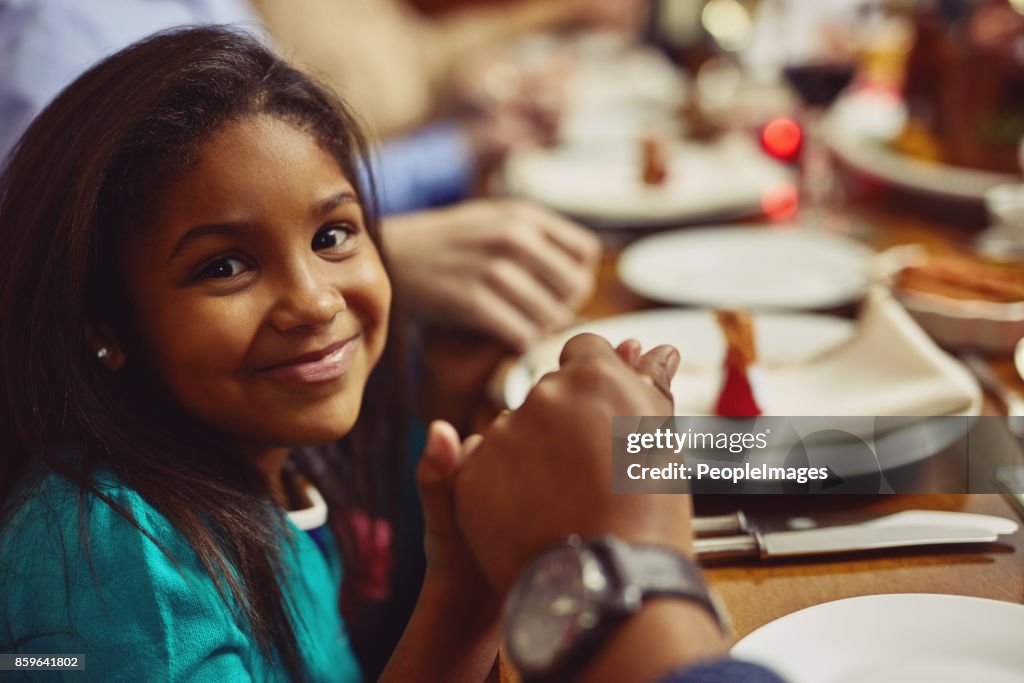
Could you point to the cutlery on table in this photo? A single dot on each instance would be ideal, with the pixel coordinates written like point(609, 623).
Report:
point(739, 523)
point(721, 525)
point(902, 529)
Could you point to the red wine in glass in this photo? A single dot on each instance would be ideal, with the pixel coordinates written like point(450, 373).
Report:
point(819, 83)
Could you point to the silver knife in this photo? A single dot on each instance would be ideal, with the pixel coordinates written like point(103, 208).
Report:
point(837, 539)
point(738, 522)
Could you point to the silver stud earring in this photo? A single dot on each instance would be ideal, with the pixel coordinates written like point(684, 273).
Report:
point(102, 353)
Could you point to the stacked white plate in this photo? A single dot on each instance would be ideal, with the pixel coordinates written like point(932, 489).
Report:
point(906, 638)
point(602, 184)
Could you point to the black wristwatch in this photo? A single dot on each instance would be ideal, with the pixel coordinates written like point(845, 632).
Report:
point(567, 603)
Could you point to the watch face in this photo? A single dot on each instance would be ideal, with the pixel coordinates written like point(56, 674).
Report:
point(548, 609)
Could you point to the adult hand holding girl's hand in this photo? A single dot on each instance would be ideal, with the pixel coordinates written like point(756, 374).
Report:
point(543, 472)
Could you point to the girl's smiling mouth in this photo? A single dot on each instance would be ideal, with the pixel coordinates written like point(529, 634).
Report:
point(325, 365)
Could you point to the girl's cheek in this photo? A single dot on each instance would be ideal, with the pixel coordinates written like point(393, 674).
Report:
point(374, 286)
point(210, 331)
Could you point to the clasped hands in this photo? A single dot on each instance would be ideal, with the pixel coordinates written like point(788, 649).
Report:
point(496, 501)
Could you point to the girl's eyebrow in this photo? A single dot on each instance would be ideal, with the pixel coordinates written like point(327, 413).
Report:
point(231, 229)
point(333, 202)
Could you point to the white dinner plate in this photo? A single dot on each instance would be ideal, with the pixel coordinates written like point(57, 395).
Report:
point(859, 130)
point(757, 267)
point(601, 183)
point(781, 338)
point(910, 638)
point(802, 359)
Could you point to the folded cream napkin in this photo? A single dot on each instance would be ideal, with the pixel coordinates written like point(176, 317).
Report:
point(889, 367)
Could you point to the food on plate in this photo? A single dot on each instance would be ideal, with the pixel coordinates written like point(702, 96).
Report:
point(964, 87)
point(654, 160)
point(736, 397)
point(961, 276)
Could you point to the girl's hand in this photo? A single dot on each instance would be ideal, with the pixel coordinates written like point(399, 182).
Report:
point(454, 632)
point(450, 564)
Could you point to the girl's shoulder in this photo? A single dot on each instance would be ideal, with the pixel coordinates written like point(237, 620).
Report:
point(83, 578)
point(50, 517)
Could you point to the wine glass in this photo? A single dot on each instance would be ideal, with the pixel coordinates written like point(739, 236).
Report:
point(819, 40)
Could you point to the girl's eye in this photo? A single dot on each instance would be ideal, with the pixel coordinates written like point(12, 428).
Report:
point(222, 268)
point(333, 237)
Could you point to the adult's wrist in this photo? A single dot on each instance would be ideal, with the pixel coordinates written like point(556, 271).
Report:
point(581, 600)
point(665, 635)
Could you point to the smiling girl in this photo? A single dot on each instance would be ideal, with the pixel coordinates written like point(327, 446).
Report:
point(191, 287)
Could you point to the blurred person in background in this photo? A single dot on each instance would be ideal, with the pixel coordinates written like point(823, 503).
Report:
point(454, 78)
point(429, 64)
point(505, 269)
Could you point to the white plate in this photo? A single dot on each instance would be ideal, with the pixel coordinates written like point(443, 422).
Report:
point(781, 338)
point(909, 638)
point(802, 358)
point(957, 324)
point(990, 326)
point(601, 183)
point(1018, 358)
point(859, 130)
point(758, 267)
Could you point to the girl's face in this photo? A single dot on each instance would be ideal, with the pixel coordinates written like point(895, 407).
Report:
point(259, 295)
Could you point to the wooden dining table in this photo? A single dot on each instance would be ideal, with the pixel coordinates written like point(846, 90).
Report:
point(756, 592)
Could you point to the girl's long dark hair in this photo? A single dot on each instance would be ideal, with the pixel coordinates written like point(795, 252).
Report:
point(88, 173)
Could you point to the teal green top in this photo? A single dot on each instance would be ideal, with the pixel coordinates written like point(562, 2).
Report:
point(137, 616)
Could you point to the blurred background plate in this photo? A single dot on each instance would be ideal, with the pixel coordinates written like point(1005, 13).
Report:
point(1018, 358)
point(601, 183)
point(959, 324)
point(887, 638)
point(860, 129)
point(757, 267)
point(957, 315)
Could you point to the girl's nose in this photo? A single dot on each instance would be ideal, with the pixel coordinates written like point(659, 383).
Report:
point(306, 298)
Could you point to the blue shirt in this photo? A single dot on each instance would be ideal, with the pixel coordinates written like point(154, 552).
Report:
point(135, 614)
point(724, 671)
point(428, 168)
point(46, 44)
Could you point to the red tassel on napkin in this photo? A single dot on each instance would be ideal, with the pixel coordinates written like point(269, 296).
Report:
point(736, 398)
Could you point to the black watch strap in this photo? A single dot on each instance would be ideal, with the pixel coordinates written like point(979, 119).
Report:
point(645, 572)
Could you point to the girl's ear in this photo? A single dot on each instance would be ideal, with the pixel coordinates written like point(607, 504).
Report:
point(105, 347)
